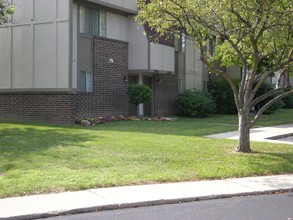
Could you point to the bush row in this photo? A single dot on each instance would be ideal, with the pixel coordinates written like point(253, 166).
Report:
point(220, 99)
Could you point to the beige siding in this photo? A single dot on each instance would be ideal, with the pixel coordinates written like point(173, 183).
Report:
point(137, 47)
point(115, 2)
point(22, 70)
point(127, 5)
point(23, 11)
point(168, 58)
point(130, 4)
point(38, 49)
point(194, 81)
point(74, 45)
point(61, 5)
point(62, 55)
point(156, 57)
point(194, 67)
point(5, 58)
point(190, 58)
point(116, 27)
point(45, 56)
point(44, 9)
point(162, 57)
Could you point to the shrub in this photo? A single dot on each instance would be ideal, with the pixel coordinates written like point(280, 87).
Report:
point(138, 94)
point(264, 88)
point(223, 96)
point(194, 103)
point(288, 101)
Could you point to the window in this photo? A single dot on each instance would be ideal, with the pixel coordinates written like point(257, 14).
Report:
point(86, 81)
point(92, 22)
point(180, 43)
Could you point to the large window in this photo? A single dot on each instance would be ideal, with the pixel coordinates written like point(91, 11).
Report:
point(92, 22)
point(86, 81)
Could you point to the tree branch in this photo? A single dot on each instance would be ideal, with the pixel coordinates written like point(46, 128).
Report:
point(266, 106)
point(266, 95)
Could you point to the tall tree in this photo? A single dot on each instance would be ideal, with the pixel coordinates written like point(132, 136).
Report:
point(5, 10)
point(256, 35)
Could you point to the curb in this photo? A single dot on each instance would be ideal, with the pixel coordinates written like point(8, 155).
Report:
point(142, 204)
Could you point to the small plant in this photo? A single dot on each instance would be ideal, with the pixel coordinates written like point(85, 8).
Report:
point(193, 103)
point(138, 94)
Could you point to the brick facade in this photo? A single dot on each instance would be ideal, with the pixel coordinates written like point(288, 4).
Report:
point(110, 66)
point(166, 92)
point(108, 98)
point(55, 108)
point(109, 95)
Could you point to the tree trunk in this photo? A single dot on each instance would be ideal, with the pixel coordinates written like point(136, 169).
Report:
point(244, 130)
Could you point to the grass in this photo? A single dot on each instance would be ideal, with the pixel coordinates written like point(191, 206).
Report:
point(41, 158)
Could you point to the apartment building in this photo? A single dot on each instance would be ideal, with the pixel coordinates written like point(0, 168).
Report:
point(62, 59)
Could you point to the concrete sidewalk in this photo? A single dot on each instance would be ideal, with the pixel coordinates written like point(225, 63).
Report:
point(282, 134)
point(30, 207)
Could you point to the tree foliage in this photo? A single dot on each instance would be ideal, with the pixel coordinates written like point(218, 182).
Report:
point(255, 35)
point(5, 10)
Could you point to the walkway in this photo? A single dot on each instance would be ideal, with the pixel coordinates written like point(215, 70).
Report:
point(282, 134)
point(30, 207)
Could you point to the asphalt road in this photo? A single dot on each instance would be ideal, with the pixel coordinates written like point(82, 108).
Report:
point(262, 207)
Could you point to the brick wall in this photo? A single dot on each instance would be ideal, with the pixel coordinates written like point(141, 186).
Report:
point(108, 98)
point(165, 95)
point(166, 92)
point(109, 95)
point(54, 108)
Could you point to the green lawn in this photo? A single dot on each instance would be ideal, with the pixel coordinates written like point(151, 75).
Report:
point(40, 158)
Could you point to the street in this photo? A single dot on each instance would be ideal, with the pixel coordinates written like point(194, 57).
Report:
point(268, 207)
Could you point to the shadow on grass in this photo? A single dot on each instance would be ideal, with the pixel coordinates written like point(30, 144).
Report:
point(274, 162)
point(26, 142)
